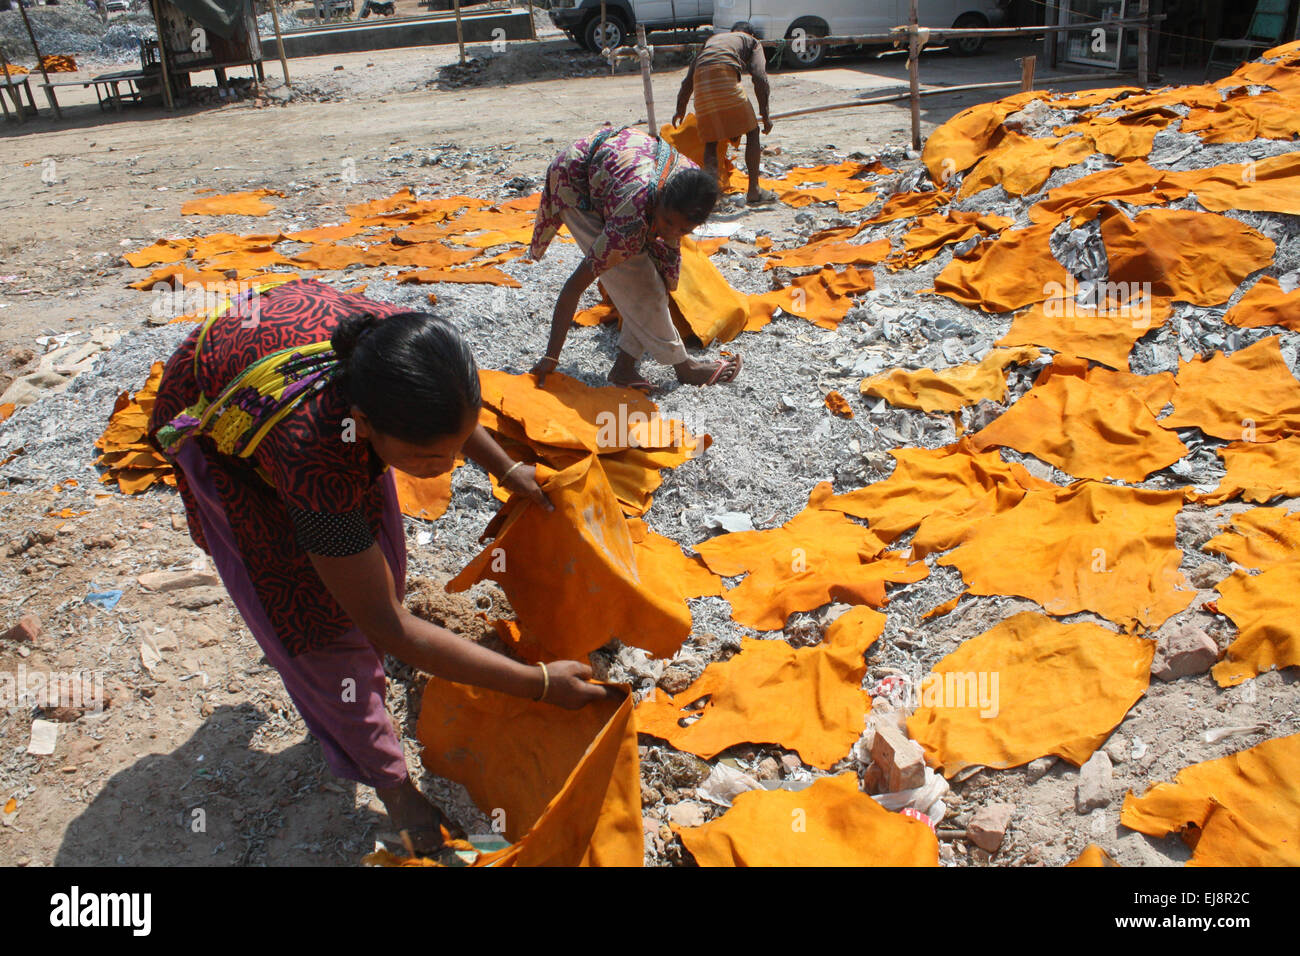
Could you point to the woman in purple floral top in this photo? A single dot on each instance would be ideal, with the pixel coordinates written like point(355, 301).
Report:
point(628, 199)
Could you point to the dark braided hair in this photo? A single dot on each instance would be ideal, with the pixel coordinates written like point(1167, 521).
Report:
point(412, 374)
point(692, 193)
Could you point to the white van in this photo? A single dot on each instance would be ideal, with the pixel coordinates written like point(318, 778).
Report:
point(773, 20)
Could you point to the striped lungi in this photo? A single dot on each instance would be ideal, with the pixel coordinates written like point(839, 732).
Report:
point(721, 106)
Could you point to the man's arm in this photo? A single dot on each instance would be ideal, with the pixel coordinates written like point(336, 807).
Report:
point(684, 95)
point(758, 73)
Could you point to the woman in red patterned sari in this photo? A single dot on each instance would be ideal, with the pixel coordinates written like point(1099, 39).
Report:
point(290, 493)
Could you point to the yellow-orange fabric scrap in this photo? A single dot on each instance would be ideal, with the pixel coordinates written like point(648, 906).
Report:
point(1266, 609)
point(931, 233)
point(968, 137)
point(816, 557)
point(1090, 422)
point(127, 456)
point(1249, 395)
point(1028, 687)
point(1006, 273)
point(565, 784)
point(1259, 539)
point(1086, 547)
point(831, 823)
point(424, 498)
point(248, 203)
point(806, 699)
point(571, 575)
point(941, 492)
point(827, 253)
point(1104, 335)
point(1166, 247)
point(1238, 810)
point(1266, 304)
point(1256, 471)
point(1093, 855)
point(823, 298)
point(1021, 164)
point(951, 389)
point(704, 302)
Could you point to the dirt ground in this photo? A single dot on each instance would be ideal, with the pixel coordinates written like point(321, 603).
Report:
point(208, 733)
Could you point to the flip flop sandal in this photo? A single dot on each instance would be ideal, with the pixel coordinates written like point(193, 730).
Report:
point(640, 385)
point(765, 198)
point(723, 365)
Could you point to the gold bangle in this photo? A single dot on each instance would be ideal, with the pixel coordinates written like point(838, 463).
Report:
point(546, 683)
point(508, 472)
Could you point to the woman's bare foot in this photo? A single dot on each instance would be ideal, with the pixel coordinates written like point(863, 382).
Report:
point(694, 372)
point(410, 810)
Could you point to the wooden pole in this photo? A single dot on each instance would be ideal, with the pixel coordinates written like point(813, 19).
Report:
point(1027, 73)
point(532, 24)
point(460, 32)
point(18, 102)
point(612, 60)
point(1144, 45)
point(279, 39)
point(643, 49)
point(168, 102)
point(914, 73)
point(40, 61)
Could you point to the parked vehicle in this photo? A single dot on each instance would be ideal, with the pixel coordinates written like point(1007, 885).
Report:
point(580, 19)
point(784, 19)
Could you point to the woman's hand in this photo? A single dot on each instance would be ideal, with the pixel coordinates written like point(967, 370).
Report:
point(570, 686)
point(544, 367)
point(523, 480)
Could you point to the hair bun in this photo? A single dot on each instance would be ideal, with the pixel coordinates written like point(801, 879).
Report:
point(351, 330)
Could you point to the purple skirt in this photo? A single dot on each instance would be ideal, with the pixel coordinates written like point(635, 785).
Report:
point(339, 689)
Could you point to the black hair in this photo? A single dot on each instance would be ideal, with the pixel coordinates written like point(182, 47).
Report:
point(691, 193)
point(412, 374)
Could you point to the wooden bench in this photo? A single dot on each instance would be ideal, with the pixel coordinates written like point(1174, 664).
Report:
point(108, 87)
point(16, 83)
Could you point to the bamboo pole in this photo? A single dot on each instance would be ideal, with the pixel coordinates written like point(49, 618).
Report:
point(644, 50)
point(532, 24)
point(40, 61)
point(914, 73)
point(1027, 64)
point(279, 40)
point(897, 97)
point(460, 32)
point(168, 101)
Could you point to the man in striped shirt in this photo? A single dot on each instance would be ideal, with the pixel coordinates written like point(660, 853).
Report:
point(721, 106)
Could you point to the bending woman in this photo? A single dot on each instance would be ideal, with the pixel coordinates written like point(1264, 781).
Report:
point(282, 417)
point(628, 199)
